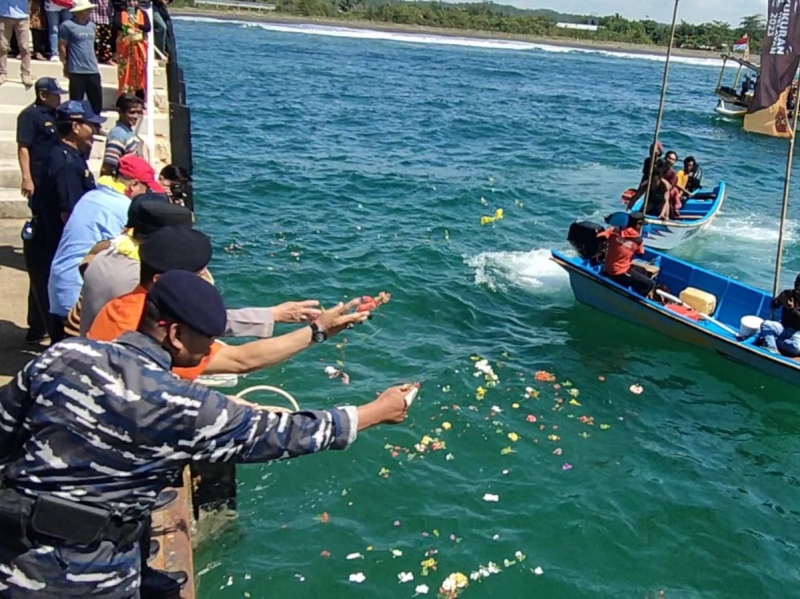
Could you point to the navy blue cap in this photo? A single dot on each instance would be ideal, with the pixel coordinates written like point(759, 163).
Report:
point(185, 298)
point(79, 110)
point(178, 247)
point(49, 85)
point(148, 214)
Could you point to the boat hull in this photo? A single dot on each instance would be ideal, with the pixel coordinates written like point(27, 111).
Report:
point(730, 109)
point(669, 234)
point(597, 292)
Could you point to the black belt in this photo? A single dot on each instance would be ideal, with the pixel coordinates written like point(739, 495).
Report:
point(48, 518)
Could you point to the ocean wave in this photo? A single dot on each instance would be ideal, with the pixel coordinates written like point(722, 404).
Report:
point(528, 270)
point(446, 40)
point(754, 228)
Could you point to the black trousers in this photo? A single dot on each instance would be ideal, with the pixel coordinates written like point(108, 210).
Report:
point(38, 260)
point(38, 274)
point(90, 86)
point(636, 280)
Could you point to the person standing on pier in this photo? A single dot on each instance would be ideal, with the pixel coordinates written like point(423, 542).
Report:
point(76, 39)
point(14, 19)
point(133, 25)
point(122, 139)
point(91, 433)
point(66, 178)
point(36, 137)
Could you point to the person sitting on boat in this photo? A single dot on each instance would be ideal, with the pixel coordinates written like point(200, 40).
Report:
point(658, 204)
point(784, 336)
point(646, 166)
point(623, 246)
point(691, 177)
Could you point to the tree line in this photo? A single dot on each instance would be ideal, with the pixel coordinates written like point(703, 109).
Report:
point(491, 17)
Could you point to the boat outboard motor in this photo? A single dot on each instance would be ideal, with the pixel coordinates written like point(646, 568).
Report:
point(583, 237)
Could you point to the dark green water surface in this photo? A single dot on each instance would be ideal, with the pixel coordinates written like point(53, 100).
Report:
point(331, 166)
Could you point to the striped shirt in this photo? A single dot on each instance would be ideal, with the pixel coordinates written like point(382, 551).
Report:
point(122, 140)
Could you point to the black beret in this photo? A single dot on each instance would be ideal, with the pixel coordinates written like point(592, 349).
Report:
point(147, 215)
point(176, 248)
point(187, 299)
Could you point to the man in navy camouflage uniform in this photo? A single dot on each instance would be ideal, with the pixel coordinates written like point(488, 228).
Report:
point(91, 432)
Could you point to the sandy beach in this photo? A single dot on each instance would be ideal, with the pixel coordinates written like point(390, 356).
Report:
point(398, 28)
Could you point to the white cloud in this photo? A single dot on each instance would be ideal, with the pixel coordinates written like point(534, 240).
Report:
point(699, 11)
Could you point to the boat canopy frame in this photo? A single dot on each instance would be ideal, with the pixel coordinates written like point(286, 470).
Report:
point(743, 64)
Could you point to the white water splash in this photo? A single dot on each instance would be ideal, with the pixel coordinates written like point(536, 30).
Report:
point(444, 40)
point(529, 270)
point(753, 229)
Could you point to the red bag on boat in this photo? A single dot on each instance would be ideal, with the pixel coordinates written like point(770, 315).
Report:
point(686, 311)
point(64, 3)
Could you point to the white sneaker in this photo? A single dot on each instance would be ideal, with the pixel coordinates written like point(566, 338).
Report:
point(55, 59)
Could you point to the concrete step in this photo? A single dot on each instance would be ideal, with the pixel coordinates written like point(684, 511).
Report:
point(43, 68)
point(8, 146)
point(11, 177)
point(13, 93)
point(12, 204)
point(8, 120)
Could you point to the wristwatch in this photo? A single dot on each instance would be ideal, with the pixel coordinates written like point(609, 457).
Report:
point(318, 334)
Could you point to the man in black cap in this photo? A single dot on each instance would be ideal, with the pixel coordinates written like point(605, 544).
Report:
point(624, 244)
point(138, 427)
point(184, 249)
point(36, 137)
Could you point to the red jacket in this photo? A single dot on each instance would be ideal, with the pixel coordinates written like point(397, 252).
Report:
point(623, 246)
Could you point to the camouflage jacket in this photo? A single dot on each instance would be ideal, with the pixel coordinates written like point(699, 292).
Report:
point(111, 426)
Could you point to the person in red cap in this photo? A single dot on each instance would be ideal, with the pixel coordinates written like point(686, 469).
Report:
point(100, 214)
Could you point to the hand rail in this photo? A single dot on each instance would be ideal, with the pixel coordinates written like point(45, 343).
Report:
point(150, 103)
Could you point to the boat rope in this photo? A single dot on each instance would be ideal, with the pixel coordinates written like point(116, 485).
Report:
point(785, 206)
point(285, 394)
point(661, 104)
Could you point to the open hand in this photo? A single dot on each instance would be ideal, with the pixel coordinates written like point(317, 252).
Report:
point(304, 311)
point(340, 316)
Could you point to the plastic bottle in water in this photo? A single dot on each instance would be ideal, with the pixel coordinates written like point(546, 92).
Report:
point(27, 231)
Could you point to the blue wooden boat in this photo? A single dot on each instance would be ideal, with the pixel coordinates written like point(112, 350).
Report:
point(720, 334)
point(697, 213)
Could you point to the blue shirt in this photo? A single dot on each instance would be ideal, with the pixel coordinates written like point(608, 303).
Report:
point(14, 9)
point(81, 59)
point(110, 426)
point(121, 141)
point(101, 214)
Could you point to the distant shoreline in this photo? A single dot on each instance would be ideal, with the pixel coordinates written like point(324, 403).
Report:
point(578, 44)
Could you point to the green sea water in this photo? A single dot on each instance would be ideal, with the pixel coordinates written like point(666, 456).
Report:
point(331, 164)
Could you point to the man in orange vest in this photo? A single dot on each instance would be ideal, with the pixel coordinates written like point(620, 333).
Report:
point(624, 244)
point(183, 248)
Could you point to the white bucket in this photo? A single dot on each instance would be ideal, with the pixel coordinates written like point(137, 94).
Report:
point(749, 326)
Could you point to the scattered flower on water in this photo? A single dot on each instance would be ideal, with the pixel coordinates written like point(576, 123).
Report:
point(538, 571)
point(422, 589)
point(358, 577)
point(636, 389)
point(405, 577)
point(490, 497)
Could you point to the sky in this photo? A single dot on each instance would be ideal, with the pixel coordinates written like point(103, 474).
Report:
point(694, 11)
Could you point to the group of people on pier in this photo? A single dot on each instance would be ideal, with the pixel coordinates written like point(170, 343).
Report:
point(95, 429)
point(82, 34)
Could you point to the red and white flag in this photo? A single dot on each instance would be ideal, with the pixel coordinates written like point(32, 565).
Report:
point(741, 45)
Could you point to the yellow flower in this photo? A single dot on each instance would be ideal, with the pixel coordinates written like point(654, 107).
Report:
point(514, 437)
point(446, 426)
